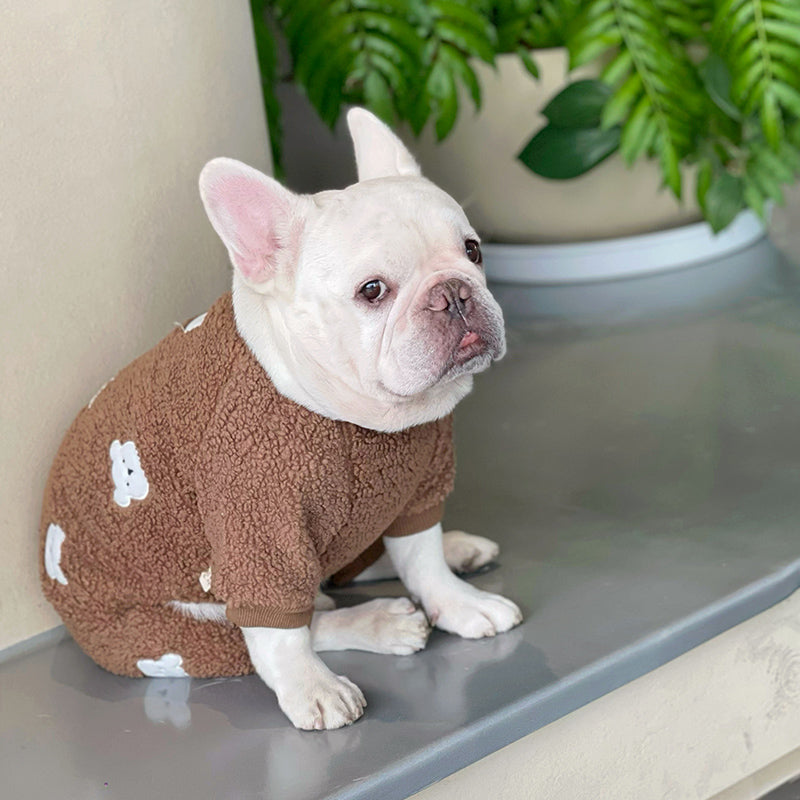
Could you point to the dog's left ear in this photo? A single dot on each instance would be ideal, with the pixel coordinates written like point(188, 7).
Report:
point(379, 153)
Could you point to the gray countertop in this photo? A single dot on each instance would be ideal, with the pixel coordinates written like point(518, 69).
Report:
point(636, 454)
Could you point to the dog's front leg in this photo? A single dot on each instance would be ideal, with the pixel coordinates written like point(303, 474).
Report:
point(384, 625)
point(308, 692)
point(450, 603)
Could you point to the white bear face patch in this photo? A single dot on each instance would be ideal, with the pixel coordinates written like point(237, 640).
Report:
point(52, 553)
point(168, 666)
point(130, 482)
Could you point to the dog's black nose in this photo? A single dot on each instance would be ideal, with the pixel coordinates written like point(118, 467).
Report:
point(451, 296)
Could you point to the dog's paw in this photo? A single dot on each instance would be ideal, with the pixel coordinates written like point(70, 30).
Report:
point(464, 552)
point(319, 700)
point(472, 613)
point(394, 626)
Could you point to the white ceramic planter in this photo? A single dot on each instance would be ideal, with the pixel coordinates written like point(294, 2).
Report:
point(623, 257)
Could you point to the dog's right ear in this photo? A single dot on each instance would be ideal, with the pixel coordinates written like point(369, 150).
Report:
point(253, 215)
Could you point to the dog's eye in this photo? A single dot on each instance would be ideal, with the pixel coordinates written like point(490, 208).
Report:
point(473, 250)
point(374, 290)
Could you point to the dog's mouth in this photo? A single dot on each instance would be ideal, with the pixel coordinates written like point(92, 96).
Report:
point(473, 353)
point(471, 345)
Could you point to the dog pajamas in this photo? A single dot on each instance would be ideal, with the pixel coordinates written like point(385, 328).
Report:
point(190, 478)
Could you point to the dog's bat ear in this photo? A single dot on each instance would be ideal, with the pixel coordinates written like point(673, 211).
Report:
point(253, 214)
point(379, 153)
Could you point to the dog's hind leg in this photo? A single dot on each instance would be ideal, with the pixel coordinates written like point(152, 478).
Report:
point(463, 553)
point(152, 640)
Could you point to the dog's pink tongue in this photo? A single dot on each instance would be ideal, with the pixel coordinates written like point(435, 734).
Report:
point(470, 337)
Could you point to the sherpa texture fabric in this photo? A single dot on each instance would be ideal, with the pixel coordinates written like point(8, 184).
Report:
point(188, 461)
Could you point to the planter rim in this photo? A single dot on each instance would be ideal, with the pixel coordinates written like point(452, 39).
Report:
point(623, 257)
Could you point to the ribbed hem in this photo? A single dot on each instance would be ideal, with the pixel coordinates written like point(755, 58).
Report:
point(407, 526)
point(267, 617)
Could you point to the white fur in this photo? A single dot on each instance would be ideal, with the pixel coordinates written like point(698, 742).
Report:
point(299, 263)
point(314, 340)
point(378, 626)
point(450, 603)
point(385, 625)
point(308, 692)
point(203, 612)
point(379, 153)
point(463, 552)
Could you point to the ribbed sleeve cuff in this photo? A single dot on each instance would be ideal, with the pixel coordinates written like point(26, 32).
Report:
point(267, 617)
point(416, 523)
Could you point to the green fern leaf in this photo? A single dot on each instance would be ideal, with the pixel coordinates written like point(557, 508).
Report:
point(639, 132)
point(530, 24)
point(790, 156)
point(654, 80)
point(723, 200)
point(617, 108)
point(266, 52)
point(760, 43)
point(766, 182)
point(441, 89)
point(466, 39)
point(582, 52)
point(754, 198)
point(464, 16)
point(528, 62)
point(617, 68)
point(398, 29)
point(705, 174)
point(459, 66)
point(381, 44)
point(774, 164)
point(378, 96)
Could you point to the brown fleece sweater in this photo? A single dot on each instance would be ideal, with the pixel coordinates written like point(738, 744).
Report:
point(190, 460)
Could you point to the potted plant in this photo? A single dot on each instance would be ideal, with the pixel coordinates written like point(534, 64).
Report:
point(703, 96)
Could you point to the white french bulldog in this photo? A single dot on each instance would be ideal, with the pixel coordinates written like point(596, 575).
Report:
point(367, 305)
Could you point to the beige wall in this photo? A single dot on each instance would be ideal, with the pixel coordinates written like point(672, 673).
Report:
point(108, 110)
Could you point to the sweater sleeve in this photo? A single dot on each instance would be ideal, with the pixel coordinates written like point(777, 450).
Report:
point(263, 562)
point(426, 507)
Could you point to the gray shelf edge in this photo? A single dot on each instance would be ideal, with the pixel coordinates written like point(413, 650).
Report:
point(33, 643)
point(509, 724)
